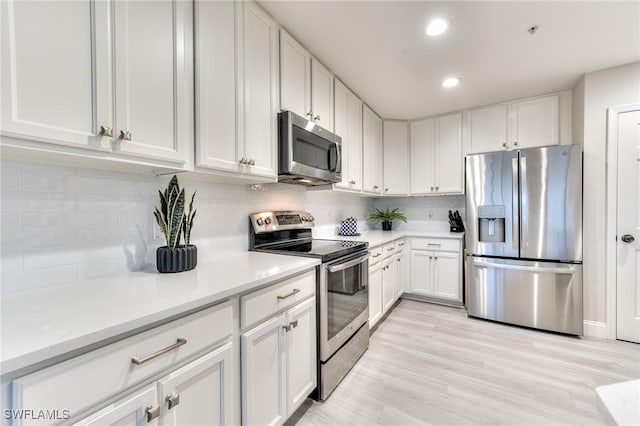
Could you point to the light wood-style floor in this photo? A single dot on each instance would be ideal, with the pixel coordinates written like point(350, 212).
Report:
point(430, 364)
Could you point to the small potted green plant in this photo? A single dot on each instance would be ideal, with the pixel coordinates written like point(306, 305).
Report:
point(175, 222)
point(387, 217)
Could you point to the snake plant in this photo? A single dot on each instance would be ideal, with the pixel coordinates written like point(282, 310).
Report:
point(171, 215)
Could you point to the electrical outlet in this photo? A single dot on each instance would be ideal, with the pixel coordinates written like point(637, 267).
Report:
point(429, 214)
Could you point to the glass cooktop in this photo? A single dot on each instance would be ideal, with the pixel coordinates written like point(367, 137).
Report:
point(324, 249)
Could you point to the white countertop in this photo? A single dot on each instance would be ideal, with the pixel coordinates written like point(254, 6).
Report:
point(376, 237)
point(620, 403)
point(45, 323)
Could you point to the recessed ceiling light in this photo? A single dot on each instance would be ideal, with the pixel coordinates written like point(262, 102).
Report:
point(451, 82)
point(437, 27)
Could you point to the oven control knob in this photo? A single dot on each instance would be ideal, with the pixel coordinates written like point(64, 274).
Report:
point(260, 222)
point(267, 220)
point(310, 218)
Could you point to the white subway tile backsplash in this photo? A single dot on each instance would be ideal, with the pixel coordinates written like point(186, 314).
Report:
point(22, 201)
point(43, 182)
point(10, 178)
point(10, 222)
point(36, 278)
point(90, 185)
point(25, 241)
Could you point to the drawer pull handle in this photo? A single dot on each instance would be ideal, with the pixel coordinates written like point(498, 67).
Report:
point(152, 412)
point(172, 400)
point(286, 328)
point(391, 248)
point(400, 244)
point(433, 244)
point(295, 291)
point(294, 324)
point(139, 361)
point(376, 255)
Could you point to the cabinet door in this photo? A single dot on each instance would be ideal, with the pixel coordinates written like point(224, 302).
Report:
point(263, 373)
point(354, 135)
point(128, 411)
point(399, 279)
point(422, 157)
point(372, 152)
point(422, 272)
point(260, 85)
point(295, 76)
point(215, 73)
point(487, 129)
point(447, 275)
point(154, 94)
point(395, 142)
point(341, 128)
point(375, 295)
point(449, 159)
point(388, 283)
point(535, 122)
point(301, 353)
point(201, 392)
point(55, 71)
point(322, 95)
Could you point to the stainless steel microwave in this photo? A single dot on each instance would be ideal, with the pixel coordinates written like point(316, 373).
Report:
point(307, 154)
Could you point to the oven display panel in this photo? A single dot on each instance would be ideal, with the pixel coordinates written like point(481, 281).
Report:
point(288, 219)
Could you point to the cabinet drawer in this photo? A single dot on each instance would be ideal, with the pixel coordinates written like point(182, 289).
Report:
point(376, 255)
point(437, 244)
point(84, 381)
point(400, 246)
point(388, 249)
point(261, 304)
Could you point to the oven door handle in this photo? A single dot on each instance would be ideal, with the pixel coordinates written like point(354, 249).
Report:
point(342, 266)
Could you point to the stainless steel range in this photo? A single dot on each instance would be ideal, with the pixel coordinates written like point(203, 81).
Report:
point(342, 288)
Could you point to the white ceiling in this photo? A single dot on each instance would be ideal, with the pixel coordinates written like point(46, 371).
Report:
point(380, 50)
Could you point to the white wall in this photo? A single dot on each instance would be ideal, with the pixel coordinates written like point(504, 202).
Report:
point(61, 224)
point(599, 90)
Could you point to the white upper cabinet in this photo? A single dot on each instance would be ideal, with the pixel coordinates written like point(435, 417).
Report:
point(436, 155)
point(295, 76)
point(217, 103)
point(395, 142)
point(55, 70)
point(152, 89)
point(321, 95)
point(60, 83)
point(372, 152)
point(348, 125)
point(260, 90)
point(528, 123)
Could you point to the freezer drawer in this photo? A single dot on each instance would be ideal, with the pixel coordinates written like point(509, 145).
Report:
point(542, 295)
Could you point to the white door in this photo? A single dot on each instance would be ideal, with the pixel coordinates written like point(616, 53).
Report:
point(535, 122)
point(215, 73)
point(295, 76)
point(628, 283)
point(422, 156)
point(354, 134)
point(388, 283)
point(260, 53)
point(422, 272)
point(301, 353)
point(55, 71)
point(151, 71)
point(488, 129)
point(448, 164)
point(372, 151)
point(201, 392)
point(375, 294)
point(395, 142)
point(127, 411)
point(322, 95)
point(263, 369)
point(446, 275)
point(341, 128)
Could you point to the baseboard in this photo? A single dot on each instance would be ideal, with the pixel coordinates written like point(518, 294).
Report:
point(596, 329)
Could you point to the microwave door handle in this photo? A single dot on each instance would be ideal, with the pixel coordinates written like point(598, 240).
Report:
point(338, 167)
point(342, 266)
point(333, 157)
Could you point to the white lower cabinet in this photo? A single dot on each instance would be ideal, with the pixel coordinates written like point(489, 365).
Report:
point(401, 264)
point(279, 367)
point(388, 283)
point(386, 272)
point(436, 269)
point(128, 411)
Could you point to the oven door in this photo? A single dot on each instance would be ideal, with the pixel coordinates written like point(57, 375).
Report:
point(344, 301)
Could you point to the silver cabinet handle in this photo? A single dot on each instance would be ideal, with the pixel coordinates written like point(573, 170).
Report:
point(430, 257)
point(437, 187)
point(504, 145)
point(400, 244)
point(432, 189)
point(391, 248)
point(295, 291)
point(397, 260)
point(106, 131)
point(515, 143)
point(386, 190)
point(125, 135)
point(286, 328)
point(152, 412)
point(352, 182)
point(376, 255)
point(294, 324)
point(172, 400)
point(627, 238)
point(375, 186)
point(252, 162)
point(433, 244)
point(317, 117)
point(139, 361)
point(309, 114)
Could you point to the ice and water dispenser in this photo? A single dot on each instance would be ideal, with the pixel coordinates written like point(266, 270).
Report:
point(491, 224)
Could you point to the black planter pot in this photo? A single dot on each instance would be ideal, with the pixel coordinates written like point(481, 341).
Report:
point(180, 259)
point(386, 225)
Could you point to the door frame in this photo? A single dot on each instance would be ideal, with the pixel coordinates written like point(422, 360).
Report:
point(611, 164)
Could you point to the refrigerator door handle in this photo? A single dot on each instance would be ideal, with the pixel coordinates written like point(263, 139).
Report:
point(515, 202)
point(558, 270)
point(524, 203)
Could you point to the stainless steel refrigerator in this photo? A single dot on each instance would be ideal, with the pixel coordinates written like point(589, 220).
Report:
point(524, 237)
